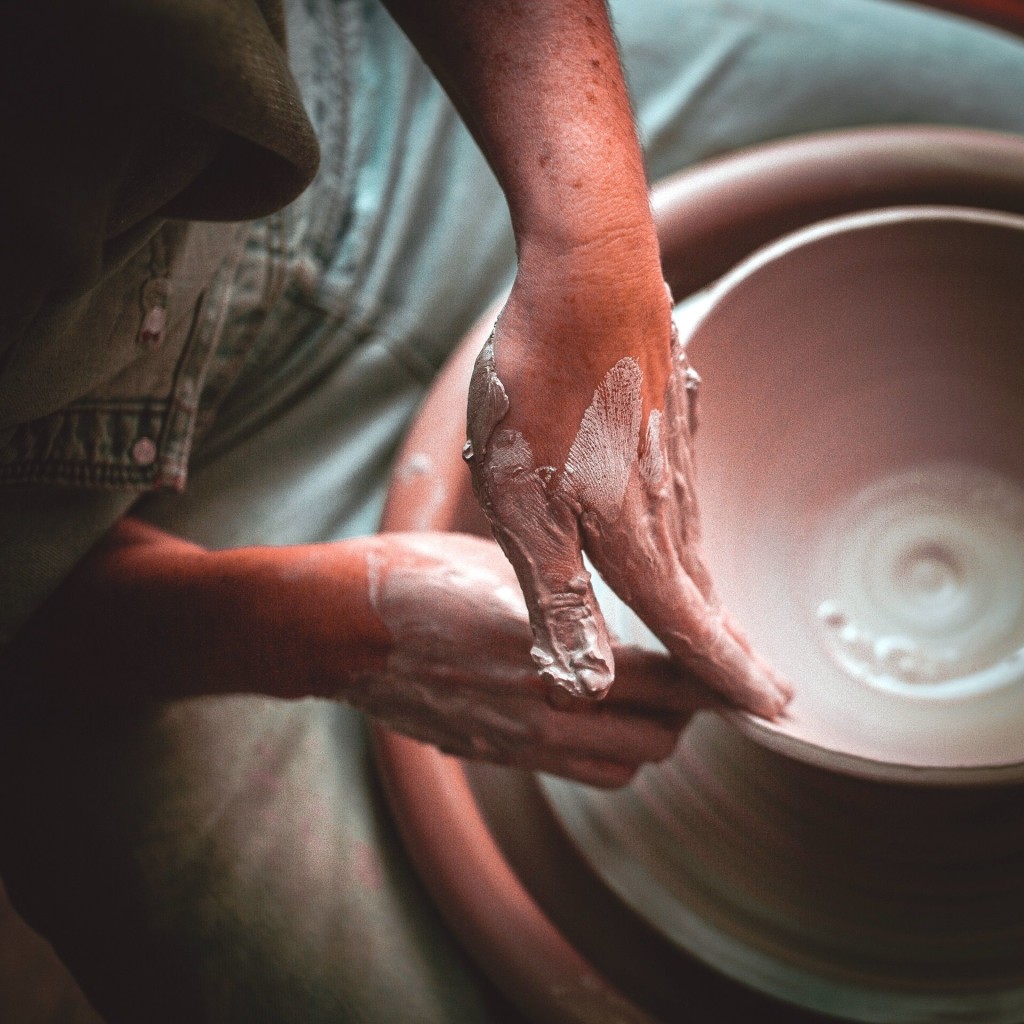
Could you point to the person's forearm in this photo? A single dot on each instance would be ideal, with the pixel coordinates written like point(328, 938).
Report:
point(540, 86)
point(147, 615)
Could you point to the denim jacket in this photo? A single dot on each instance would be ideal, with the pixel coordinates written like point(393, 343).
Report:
point(133, 130)
point(106, 393)
point(103, 404)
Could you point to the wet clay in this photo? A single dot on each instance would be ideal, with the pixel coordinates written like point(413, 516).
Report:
point(862, 485)
point(836, 877)
point(923, 574)
point(432, 606)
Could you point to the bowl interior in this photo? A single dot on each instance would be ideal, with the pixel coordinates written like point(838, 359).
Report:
point(861, 472)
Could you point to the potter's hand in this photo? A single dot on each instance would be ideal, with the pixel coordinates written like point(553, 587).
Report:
point(567, 449)
point(428, 632)
point(594, 449)
point(457, 673)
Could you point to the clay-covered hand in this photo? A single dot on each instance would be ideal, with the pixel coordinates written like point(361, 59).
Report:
point(577, 436)
point(427, 632)
point(457, 673)
point(597, 455)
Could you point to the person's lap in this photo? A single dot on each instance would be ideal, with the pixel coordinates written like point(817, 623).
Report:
point(232, 859)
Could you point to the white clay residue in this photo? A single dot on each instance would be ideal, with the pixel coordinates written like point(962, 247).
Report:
point(652, 458)
point(444, 615)
point(488, 401)
point(693, 382)
point(533, 509)
point(396, 586)
point(601, 458)
point(925, 576)
point(417, 465)
point(539, 515)
point(509, 453)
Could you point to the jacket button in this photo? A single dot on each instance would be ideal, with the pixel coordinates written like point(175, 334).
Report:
point(151, 334)
point(144, 452)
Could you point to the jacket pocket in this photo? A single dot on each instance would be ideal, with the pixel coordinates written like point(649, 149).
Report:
point(113, 382)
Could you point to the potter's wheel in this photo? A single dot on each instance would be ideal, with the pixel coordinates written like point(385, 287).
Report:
point(861, 468)
point(861, 472)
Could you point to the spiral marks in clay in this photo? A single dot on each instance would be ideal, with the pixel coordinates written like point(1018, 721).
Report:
point(922, 572)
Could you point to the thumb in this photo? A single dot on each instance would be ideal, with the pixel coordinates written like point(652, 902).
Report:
point(539, 532)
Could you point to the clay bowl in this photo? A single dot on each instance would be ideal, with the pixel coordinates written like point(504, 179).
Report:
point(861, 474)
point(863, 486)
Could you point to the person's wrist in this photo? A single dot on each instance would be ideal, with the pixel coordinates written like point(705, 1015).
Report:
point(611, 262)
point(595, 298)
point(311, 610)
point(591, 236)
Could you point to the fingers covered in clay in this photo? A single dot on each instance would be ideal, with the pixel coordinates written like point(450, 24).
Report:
point(650, 555)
